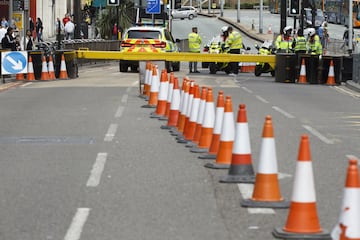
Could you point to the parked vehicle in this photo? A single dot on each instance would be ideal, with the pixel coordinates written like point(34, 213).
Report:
point(184, 12)
point(149, 39)
point(266, 48)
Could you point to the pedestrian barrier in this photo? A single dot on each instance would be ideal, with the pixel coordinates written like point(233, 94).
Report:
point(30, 75)
point(302, 221)
point(207, 124)
point(241, 169)
point(215, 140)
point(302, 78)
point(349, 220)
point(266, 192)
point(223, 156)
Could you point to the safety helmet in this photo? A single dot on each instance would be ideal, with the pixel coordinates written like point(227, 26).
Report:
point(311, 32)
point(224, 29)
point(287, 28)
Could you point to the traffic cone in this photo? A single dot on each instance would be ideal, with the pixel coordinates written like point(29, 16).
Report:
point(188, 104)
point(207, 125)
point(174, 107)
point(223, 157)
point(269, 30)
point(51, 69)
point(44, 70)
point(215, 140)
point(331, 76)
point(30, 75)
point(183, 105)
point(302, 221)
point(154, 89)
point(63, 72)
point(169, 97)
point(146, 87)
point(191, 124)
point(241, 169)
point(266, 192)
point(161, 104)
point(20, 77)
point(348, 226)
point(199, 119)
point(302, 77)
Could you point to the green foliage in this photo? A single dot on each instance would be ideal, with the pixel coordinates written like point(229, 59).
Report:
point(107, 17)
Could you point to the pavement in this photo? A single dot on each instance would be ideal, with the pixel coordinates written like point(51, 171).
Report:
point(243, 27)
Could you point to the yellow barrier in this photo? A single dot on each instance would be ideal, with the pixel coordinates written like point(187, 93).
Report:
point(175, 56)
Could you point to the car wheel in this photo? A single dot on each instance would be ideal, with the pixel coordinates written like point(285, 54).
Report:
point(123, 67)
point(258, 70)
point(191, 17)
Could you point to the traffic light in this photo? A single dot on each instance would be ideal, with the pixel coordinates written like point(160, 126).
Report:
point(18, 5)
point(294, 7)
point(113, 2)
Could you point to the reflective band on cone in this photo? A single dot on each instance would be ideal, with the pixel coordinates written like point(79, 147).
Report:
point(163, 89)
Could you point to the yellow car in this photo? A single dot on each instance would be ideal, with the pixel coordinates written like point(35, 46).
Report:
point(148, 39)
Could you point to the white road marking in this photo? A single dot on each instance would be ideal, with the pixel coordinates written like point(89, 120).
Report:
point(97, 169)
point(110, 133)
point(246, 191)
point(119, 112)
point(262, 99)
point(283, 112)
point(77, 224)
point(247, 90)
point(318, 134)
point(124, 98)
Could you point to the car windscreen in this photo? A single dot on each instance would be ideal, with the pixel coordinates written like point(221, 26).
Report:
point(144, 34)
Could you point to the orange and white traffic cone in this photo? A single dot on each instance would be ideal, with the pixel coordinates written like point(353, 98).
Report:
point(183, 105)
point(161, 104)
point(302, 77)
point(51, 69)
point(146, 87)
point(19, 77)
point(331, 76)
point(154, 89)
point(266, 192)
point(169, 97)
point(188, 103)
point(44, 70)
point(215, 140)
point(199, 119)
point(348, 226)
point(63, 72)
point(241, 169)
point(303, 221)
point(223, 157)
point(207, 125)
point(30, 75)
point(174, 107)
point(191, 124)
point(269, 30)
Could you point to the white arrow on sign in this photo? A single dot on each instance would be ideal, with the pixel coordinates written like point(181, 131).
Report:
point(16, 65)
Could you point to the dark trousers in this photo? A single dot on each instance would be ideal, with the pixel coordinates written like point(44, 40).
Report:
point(234, 65)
